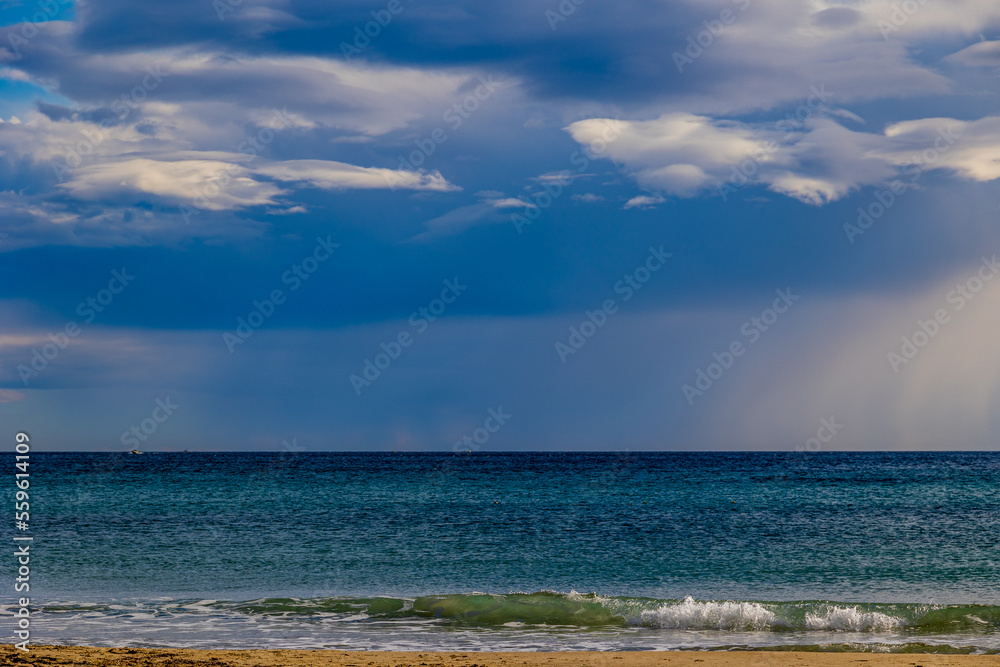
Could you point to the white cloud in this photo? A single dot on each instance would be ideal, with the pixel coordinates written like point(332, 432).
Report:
point(776, 51)
point(681, 179)
point(215, 185)
point(920, 19)
point(287, 211)
point(194, 133)
point(980, 54)
point(225, 89)
point(510, 202)
point(684, 154)
point(971, 149)
point(673, 152)
point(815, 191)
point(338, 175)
point(563, 178)
point(671, 138)
point(180, 181)
point(643, 202)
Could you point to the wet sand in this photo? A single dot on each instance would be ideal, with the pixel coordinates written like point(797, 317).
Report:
point(133, 657)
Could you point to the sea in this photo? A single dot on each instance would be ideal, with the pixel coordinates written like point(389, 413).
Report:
point(631, 551)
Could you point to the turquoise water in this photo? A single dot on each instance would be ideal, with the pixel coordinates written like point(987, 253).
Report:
point(519, 551)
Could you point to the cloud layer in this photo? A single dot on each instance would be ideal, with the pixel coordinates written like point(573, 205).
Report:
point(846, 149)
point(685, 155)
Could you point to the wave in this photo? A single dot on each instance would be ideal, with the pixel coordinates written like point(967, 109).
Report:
point(576, 610)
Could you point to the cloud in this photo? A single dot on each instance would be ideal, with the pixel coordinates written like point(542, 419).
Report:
point(287, 211)
point(560, 178)
point(824, 163)
point(679, 179)
point(685, 155)
point(981, 54)
point(464, 217)
point(180, 126)
point(31, 220)
point(836, 17)
point(143, 110)
point(672, 152)
point(337, 175)
point(643, 202)
point(510, 202)
point(608, 57)
point(458, 220)
point(221, 88)
point(84, 174)
point(971, 149)
point(179, 181)
point(214, 185)
point(675, 137)
point(929, 19)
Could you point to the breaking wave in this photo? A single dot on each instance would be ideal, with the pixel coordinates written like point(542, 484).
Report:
point(591, 610)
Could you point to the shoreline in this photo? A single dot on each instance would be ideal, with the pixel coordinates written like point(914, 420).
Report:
point(139, 657)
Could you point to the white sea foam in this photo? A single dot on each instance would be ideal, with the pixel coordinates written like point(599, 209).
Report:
point(583, 597)
point(674, 624)
point(851, 619)
point(694, 615)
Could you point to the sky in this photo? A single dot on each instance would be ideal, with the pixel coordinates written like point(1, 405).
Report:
point(423, 225)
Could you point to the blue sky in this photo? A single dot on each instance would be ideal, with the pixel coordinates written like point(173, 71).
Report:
point(697, 225)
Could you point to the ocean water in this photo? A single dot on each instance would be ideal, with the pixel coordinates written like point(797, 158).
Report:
point(516, 551)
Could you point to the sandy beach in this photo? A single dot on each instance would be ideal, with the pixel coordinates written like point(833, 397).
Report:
point(129, 657)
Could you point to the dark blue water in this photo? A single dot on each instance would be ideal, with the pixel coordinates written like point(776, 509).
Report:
point(519, 551)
